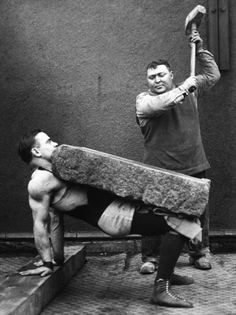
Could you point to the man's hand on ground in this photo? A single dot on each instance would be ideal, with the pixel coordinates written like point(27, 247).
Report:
point(42, 271)
point(39, 263)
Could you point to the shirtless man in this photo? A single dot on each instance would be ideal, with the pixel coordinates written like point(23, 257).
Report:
point(50, 198)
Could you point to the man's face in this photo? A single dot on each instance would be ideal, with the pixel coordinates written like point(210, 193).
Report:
point(160, 80)
point(44, 146)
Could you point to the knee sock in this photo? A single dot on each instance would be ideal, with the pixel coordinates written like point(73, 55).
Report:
point(171, 247)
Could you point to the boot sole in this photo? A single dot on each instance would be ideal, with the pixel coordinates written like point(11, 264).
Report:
point(168, 305)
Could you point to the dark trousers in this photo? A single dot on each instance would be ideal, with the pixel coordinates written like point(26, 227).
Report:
point(151, 244)
point(149, 223)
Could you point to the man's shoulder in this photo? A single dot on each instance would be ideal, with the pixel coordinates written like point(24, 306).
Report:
point(204, 53)
point(142, 94)
point(42, 182)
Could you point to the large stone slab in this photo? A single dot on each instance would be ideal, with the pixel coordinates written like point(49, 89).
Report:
point(28, 295)
point(175, 192)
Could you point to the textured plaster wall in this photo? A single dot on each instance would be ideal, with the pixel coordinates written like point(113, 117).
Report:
point(74, 68)
point(218, 114)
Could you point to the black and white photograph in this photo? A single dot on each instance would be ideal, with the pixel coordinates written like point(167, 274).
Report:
point(118, 157)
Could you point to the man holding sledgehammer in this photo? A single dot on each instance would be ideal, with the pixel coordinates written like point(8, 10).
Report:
point(168, 117)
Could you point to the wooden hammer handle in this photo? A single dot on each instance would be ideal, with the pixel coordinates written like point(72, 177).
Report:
point(193, 53)
point(192, 57)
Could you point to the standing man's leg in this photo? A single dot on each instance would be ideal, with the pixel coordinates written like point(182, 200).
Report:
point(170, 250)
point(150, 247)
point(200, 253)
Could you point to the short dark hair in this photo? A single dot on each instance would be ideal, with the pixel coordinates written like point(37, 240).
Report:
point(155, 64)
point(26, 143)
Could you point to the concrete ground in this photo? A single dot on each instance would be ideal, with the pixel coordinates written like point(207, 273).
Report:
point(111, 285)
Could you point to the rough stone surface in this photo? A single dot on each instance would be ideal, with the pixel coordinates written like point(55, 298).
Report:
point(28, 295)
point(126, 178)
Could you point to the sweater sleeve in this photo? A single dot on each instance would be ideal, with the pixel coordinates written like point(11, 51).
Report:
point(149, 105)
point(210, 73)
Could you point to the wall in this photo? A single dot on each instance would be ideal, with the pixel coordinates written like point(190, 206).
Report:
point(218, 115)
point(74, 68)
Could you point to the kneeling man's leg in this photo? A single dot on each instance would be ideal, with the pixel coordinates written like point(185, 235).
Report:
point(171, 247)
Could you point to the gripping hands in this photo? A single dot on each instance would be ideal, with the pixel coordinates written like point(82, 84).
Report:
point(190, 84)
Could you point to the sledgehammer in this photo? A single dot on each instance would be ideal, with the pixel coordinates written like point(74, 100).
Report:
point(192, 22)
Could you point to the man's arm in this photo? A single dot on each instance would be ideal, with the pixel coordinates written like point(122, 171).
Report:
point(57, 236)
point(41, 236)
point(210, 73)
point(40, 192)
point(151, 105)
point(148, 105)
point(40, 209)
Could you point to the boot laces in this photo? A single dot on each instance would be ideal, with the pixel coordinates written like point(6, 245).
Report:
point(171, 293)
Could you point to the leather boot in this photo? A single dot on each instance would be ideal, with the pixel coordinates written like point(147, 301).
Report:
point(202, 262)
point(147, 268)
point(180, 280)
point(162, 295)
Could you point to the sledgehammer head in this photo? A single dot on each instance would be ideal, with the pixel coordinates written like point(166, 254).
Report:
point(194, 17)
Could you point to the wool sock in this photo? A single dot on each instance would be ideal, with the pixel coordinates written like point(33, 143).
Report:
point(171, 247)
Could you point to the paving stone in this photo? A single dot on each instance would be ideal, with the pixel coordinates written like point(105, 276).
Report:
point(28, 295)
point(111, 285)
point(98, 290)
point(173, 191)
